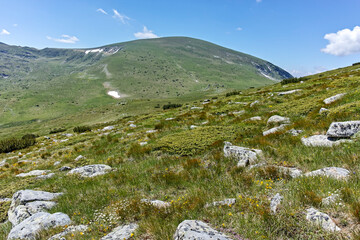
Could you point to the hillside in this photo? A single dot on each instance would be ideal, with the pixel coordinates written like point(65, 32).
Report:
point(40, 85)
point(264, 163)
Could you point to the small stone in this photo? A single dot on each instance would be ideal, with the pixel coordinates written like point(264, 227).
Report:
point(276, 119)
point(156, 203)
point(238, 112)
point(195, 108)
point(143, 143)
point(289, 92)
point(330, 199)
point(151, 131)
point(315, 216)
point(123, 232)
point(295, 132)
point(332, 172)
point(254, 103)
point(132, 125)
point(343, 129)
point(193, 126)
point(228, 201)
point(245, 156)
point(321, 141)
point(274, 202)
point(33, 173)
point(70, 229)
point(293, 172)
point(91, 170)
point(79, 157)
point(169, 119)
point(323, 110)
point(256, 118)
point(108, 128)
point(334, 98)
point(275, 129)
point(57, 163)
point(197, 230)
point(50, 175)
point(65, 168)
point(68, 134)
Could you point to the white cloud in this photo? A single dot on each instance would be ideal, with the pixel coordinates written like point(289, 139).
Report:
point(102, 11)
point(145, 34)
point(306, 71)
point(4, 32)
point(344, 42)
point(64, 39)
point(123, 18)
point(239, 29)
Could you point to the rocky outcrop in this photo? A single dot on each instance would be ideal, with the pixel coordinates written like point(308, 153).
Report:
point(334, 98)
point(315, 216)
point(245, 156)
point(343, 129)
point(332, 172)
point(70, 229)
point(123, 232)
point(194, 229)
point(321, 141)
point(29, 228)
point(91, 170)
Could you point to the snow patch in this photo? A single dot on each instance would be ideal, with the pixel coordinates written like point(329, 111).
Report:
point(99, 50)
point(113, 94)
point(269, 77)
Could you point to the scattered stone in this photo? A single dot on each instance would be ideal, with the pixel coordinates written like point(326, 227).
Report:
point(238, 112)
point(245, 156)
point(3, 162)
point(204, 123)
point(156, 203)
point(70, 229)
point(274, 202)
point(33, 173)
point(194, 108)
point(256, 118)
point(289, 92)
point(275, 129)
point(169, 119)
point(143, 143)
point(123, 232)
point(68, 134)
point(323, 110)
point(242, 103)
point(50, 175)
point(293, 172)
point(194, 229)
point(29, 228)
point(343, 129)
point(315, 216)
point(228, 201)
point(57, 163)
point(295, 132)
point(91, 170)
point(321, 141)
point(132, 125)
point(254, 103)
point(330, 199)
point(278, 119)
point(79, 157)
point(332, 172)
point(193, 126)
point(108, 128)
point(5, 199)
point(334, 98)
point(65, 168)
point(151, 131)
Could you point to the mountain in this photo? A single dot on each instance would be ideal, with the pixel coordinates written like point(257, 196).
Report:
point(276, 162)
point(49, 83)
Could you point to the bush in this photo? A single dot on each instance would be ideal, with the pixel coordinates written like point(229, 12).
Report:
point(233, 93)
point(294, 80)
point(81, 129)
point(12, 144)
point(57, 130)
point(29, 136)
point(171, 105)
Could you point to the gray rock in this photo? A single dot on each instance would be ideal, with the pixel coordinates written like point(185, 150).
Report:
point(121, 232)
point(321, 141)
point(293, 172)
point(295, 132)
point(289, 92)
point(50, 175)
point(57, 163)
point(334, 98)
point(274, 202)
point(343, 129)
point(330, 199)
point(91, 170)
point(132, 125)
point(156, 203)
point(193, 126)
point(29, 228)
point(33, 173)
point(65, 168)
point(5, 199)
point(68, 134)
point(245, 156)
point(315, 216)
point(108, 128)
point(143, 143)
point(79, 157)
point(236, 113)
point(276, 119)
point(332, 172)
point(254, 103)
point(70, 229)
point(151, 131)
point(169, 119)
point(228, 201)
point(323, 110)
point(256, 118)
point(275, 129)
point(195, 108)
point(2, 163)
point(197, 230)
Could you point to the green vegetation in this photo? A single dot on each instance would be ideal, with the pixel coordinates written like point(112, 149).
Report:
point(81, 129)
point(171, 105)
point(9, 145)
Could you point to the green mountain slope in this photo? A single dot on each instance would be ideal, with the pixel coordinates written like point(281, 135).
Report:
point(50, 83)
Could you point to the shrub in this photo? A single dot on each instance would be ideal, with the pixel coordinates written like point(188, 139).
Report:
point(171, 105)
point(57, 130)
point(29, 136)
point(81, 129)
point(294, 80)
point(12, 144)
point(233, 93)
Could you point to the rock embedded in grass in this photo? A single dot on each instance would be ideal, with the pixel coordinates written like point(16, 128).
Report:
point(69, 229)
point(245, 156)
point(295, 132)
point(79, 157)
point(275, 129)
point(194, 229)
point(256, 118)
point(34, 173)
point(289, 92)
point(343, 129)
point(332, 172)
point(321, 141)
point(323, 110)
point(123, 232)
point(29, 228)
point(91, 170)
point(276, 119)
point(330, 199)
point(334, 98)
point(156, 203)
point(315, 216)
point(228, 202)
point(274, 202)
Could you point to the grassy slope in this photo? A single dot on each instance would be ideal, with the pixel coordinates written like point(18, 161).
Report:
point(157, 171)
point(55, 83)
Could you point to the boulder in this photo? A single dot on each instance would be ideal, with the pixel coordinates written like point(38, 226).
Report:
point(315, 216)
point(332, 172)
point(343, 129)
point(245, 156)
point(123, 232)
point(156, 203)
point(321, 141)
point(275, 129)
point(289, 92)
point(228, 201)
point(70, 229)
point(334, 98)
point(276, 119)
point(33, 173)
point(194, 229)
point(274, 202)
point(91, 170)
point(29, 228)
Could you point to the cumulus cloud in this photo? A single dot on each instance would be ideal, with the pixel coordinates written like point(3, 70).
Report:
point(64, 39)
point(102, 11)
point(239, 29)
point(344, 42)
point(4, 32)
point(121, 17)
point(146, 33)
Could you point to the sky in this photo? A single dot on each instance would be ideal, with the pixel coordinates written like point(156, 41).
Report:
point(303, 37)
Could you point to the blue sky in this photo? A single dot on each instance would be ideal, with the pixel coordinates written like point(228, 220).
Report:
point(288, 33)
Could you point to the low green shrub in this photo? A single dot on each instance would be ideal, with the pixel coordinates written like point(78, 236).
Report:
point(13, 144)
point(233, 93)
point(57, 130)
point(81, 129)
point(171, 105)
